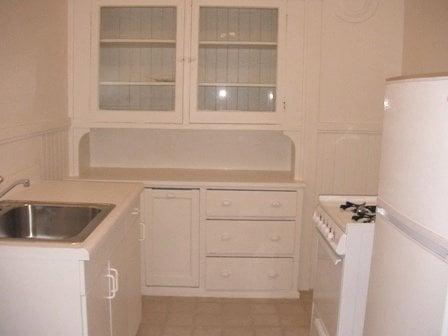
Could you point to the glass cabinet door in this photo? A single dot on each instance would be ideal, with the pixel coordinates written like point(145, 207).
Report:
point(236, 78)
point(139, 61)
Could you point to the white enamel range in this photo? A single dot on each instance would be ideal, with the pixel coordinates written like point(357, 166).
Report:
point(344, 231)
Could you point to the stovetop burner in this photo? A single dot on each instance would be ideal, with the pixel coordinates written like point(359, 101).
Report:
point(363, 213)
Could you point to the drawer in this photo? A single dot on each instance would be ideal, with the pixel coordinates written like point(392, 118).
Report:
point(250, 237)
point(249, 274)
point(251, 204)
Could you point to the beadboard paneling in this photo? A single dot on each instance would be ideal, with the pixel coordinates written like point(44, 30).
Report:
point(348, 163)
point(37, 156)
point(55, 155)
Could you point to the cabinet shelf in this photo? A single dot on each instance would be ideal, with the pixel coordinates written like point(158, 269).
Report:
point(137, 41)
point(238, 43)
point(171, 83)
point(267, 85)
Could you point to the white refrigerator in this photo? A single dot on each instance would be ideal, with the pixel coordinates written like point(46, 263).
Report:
point(409, 275)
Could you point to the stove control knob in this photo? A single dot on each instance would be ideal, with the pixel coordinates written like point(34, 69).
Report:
point(323, 226)
point(330, 236)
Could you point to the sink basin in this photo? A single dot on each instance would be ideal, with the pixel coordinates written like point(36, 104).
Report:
point(62, 222)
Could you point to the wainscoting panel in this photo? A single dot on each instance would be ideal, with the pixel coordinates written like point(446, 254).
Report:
point(348, 163)
point(55, 155)
point(42, 155)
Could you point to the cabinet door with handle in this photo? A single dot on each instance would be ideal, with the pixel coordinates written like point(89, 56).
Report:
point(98, 304)
point(172, 238)
point(118, 284)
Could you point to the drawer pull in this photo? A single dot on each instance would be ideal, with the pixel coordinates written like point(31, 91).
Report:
point(226, 203)
point(276, 204)
point(225, 274)
point(225, 237)
point(135, 212)
point(275, 238)
point(170, 195)
point(272, 274)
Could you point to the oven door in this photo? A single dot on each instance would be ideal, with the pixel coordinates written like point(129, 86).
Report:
point(327, 289)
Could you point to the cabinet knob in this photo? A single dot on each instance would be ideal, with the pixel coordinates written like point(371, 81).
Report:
point(272, 274)
point(225, 237)
point(276, 204)
point(275, 238)
point(225, 274)
point(226, 203)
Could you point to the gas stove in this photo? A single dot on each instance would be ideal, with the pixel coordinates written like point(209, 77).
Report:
point(334, 214)
point(344, 233)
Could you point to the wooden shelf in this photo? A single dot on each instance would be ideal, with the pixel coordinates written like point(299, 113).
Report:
point(139, 83)
point(239, 84)
point(238, 43)
point(137, 41)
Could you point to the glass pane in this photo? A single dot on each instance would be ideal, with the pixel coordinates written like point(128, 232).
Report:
point(137, 58)
point(137, 97)
point(232, 98)
point(237, 67)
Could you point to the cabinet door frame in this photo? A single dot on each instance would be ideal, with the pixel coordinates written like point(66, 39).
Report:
point(98, 115)
point(239, 117)
point(191, 279)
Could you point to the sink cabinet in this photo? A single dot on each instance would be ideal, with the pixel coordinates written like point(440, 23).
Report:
point(54, 290)
point(113, 299)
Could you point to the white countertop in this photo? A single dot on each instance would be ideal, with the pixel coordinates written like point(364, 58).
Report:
point(169, 177)
point(119, 194)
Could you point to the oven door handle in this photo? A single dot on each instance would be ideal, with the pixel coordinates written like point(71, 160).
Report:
point(335, 258)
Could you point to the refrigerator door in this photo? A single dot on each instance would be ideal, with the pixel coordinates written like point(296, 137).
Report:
point(409, 274)
point(414, 162)
point(408, 287)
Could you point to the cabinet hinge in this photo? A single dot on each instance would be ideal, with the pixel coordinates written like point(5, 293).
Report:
point(284, 105)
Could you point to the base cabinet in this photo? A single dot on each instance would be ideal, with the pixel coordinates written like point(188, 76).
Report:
point(222, 242)
point(113, 299)
point(172, 245)
point(98, 304)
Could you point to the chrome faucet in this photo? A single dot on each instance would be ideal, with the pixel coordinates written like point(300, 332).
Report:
point(25, 182)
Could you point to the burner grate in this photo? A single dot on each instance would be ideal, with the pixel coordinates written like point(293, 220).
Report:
point(362, 213)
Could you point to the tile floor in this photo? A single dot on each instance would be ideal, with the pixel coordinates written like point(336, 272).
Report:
point(177, 316)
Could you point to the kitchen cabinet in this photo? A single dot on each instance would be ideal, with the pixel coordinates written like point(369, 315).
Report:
point(248, 242)
point(98, 312)
point(61, 288)
point(172, 244)
point(183, 61)
point(238, 242)
point(113, 300)
point(237, 61)
point(137, 60)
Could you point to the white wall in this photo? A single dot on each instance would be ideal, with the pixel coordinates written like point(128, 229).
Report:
point(425, 37)
point(33, 88)
point(352, 47)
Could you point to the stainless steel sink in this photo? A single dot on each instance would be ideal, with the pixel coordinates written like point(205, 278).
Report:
point(62, 222)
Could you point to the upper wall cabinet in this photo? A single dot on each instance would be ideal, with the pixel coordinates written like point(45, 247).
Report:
point(137, 61)
point(188, 62)
point(237, 61)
